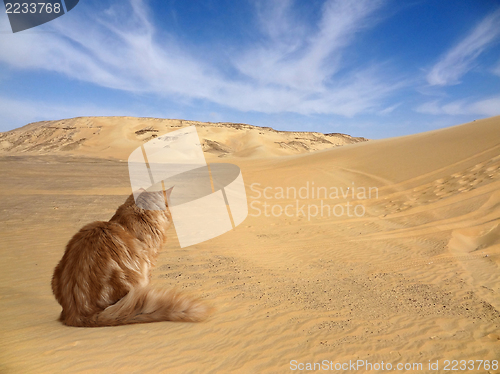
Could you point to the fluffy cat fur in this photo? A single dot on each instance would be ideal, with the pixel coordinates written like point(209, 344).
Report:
point(103, 277)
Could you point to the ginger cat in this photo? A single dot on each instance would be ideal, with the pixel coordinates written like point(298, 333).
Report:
point(103, 277)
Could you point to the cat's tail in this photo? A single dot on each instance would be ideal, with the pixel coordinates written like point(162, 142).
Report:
point(150, 305)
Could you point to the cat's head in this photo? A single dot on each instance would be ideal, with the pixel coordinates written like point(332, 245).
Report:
point(153, 200)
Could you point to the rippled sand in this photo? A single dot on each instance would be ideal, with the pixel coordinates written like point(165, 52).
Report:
point(414, 279)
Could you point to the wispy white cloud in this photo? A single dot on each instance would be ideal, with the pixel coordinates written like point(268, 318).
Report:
point(296, 70)
point(485, 107)
point(312, 59)
point(462, 58)
point(496, 69)
point(279, 23)
point(390, 109)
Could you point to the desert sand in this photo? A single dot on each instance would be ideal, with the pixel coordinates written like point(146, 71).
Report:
point(403, 268)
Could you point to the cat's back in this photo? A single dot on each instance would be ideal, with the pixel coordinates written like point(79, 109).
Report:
point(94, 241)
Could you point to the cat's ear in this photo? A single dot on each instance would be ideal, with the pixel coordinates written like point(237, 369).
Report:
point(168, 192)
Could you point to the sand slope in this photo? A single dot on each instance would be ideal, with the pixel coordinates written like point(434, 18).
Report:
point(414, 279)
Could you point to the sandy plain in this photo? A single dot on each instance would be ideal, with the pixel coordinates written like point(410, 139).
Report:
point(414, 279)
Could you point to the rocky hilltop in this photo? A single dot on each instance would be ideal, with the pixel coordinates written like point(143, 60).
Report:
point(116, 137)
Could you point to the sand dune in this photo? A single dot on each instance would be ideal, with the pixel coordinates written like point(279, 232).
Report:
point(389, 252)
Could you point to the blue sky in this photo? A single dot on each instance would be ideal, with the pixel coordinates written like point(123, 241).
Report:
point(373, 68)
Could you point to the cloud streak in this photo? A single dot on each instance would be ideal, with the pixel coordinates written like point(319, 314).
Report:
point(461, 58)
point(485, 107)
point(296, 69)
point(304, 60)
point(496, 69)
